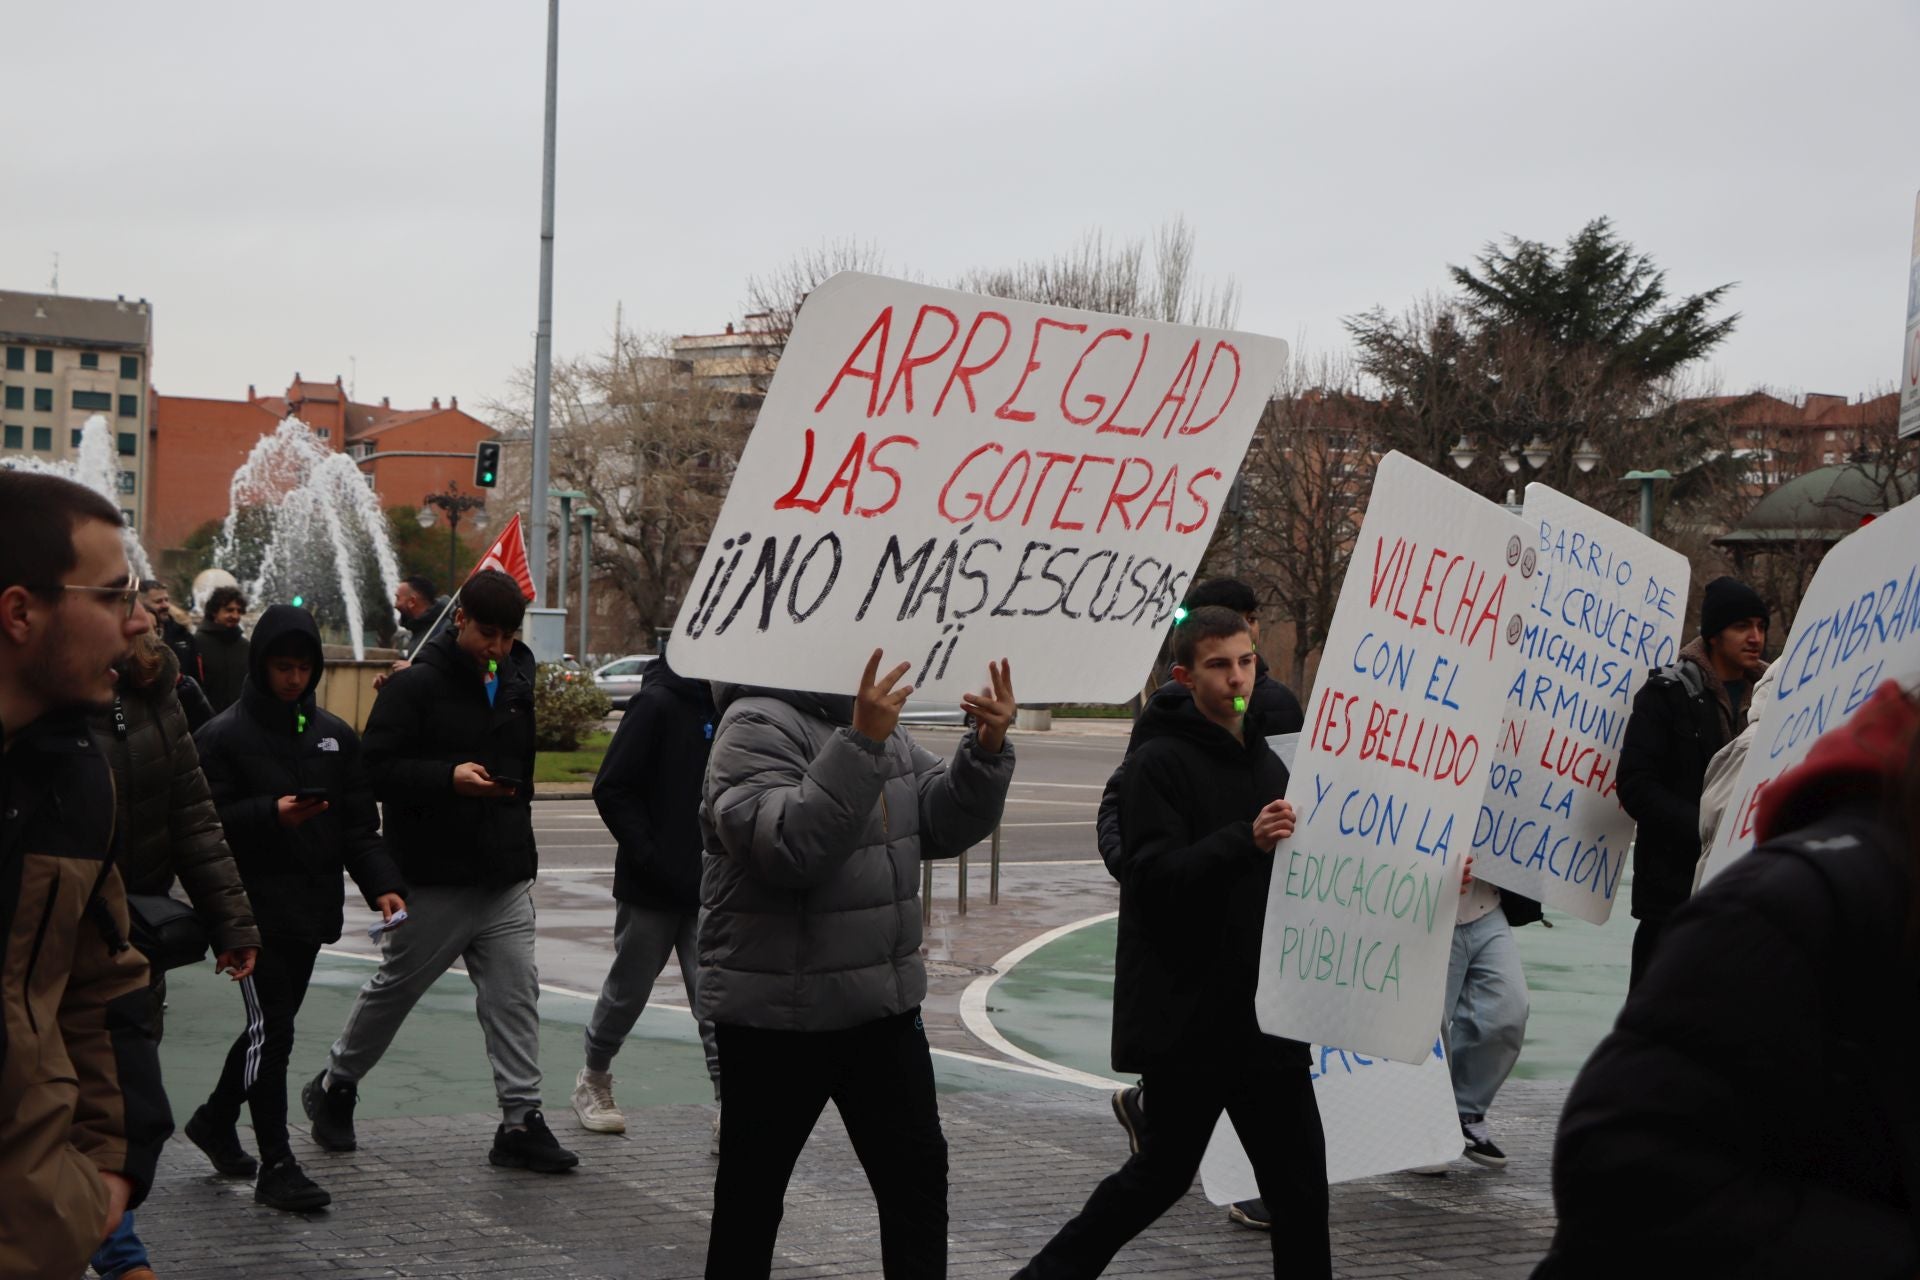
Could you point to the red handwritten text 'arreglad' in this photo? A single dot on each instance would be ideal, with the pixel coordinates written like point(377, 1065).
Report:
point(1101, 393)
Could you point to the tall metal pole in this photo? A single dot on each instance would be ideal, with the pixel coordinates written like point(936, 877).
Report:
point(586, 515)
point(543, 332)
point(566, 531)
point(1646, 507)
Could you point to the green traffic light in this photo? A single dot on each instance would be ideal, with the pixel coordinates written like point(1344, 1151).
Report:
point(1180, 615)
point(299, 601)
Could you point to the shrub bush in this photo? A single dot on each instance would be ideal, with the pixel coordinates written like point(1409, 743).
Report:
point(566, 707)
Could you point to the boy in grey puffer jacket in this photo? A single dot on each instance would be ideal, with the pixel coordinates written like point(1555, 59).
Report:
point(818, 811)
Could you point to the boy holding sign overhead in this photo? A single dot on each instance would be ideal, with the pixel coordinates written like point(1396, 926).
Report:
point(1202, 812)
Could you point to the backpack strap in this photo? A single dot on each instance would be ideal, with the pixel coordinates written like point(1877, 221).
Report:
point(1684, 674)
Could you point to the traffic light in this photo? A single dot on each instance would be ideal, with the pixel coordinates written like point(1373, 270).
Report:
point(486, 464)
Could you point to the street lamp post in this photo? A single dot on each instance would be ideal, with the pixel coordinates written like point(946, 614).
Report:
point(566, 497)
point(1646, 480)
point(586, 515)
point(456, 505)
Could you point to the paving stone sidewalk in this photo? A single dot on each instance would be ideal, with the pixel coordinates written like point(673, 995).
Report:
point(419, 1199)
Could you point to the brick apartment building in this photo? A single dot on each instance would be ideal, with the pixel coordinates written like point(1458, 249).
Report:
point(62, 360)
point(1779, 440)
point(198, 443)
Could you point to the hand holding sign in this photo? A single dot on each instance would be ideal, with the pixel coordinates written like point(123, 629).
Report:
point(993, 707)
point(876, 708)
point(1272, 825)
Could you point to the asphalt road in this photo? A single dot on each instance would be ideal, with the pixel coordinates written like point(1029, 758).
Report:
point(1050, 810)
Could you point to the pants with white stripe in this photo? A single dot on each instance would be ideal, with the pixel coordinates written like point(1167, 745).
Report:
point(256, 1069)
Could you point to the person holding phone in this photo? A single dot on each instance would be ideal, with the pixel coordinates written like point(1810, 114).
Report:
point(293, 794)
point(449, 741)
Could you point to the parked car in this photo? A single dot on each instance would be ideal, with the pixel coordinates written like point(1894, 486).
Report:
point(620, 679)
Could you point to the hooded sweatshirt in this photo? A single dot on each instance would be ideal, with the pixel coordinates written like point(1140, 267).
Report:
point(1753, 1111)
point(261, 749)
point(648, 790)
point(1193, 887)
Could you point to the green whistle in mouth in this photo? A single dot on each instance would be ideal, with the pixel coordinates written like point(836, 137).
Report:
point(493, 668)
point(1240, 706)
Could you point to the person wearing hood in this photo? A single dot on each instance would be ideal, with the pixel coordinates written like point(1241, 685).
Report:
point(1682, 716)
point(1203, 810)
point(648, 794)
point(450, 747)
point(1273, 709)
point(222, 647)
point(293, 792)
point(1752, 1112)
point(818, 812)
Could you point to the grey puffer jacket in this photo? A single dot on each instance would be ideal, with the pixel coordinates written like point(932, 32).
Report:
point(814, 836)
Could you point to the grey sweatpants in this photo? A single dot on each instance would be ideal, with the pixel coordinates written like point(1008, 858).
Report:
point(643, 937)
point(491, 930)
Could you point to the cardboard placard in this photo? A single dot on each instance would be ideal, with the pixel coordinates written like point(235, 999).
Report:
point(1378, 1117)
point(957, 479)
point(1858, 627)
point(1603, 608)
point(1405, 713)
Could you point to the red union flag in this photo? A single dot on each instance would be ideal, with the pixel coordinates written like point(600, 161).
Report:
point(508, 554)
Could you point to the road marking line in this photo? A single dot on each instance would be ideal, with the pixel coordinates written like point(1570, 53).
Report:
point(973, 1008)
point(1019, 1068)
point(1073, 786)
point(1009, 826)
point(1065, 804)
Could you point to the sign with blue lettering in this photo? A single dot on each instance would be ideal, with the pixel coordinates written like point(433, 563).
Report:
point(1378, 1117)
point(1392, 768)
point(1603, 607)
point(1858, 627)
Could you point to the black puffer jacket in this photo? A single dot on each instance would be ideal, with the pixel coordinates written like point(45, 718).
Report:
point(1271, 710)
point(261, 749)
point(1193, 887)
point(168, 823)
point(223, 663)
point(1671, 738)
point(179, 638)
point(430, 717)
point(648, 790)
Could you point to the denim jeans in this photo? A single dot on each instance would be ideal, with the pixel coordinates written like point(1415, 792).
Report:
point(1487, 1007)
point(122, 1250)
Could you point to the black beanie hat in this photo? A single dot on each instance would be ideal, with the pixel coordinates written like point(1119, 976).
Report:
point(1727, 601)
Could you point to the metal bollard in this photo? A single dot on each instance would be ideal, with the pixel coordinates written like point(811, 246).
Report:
point(963, 882)
point(926, 894)
point(993, 872)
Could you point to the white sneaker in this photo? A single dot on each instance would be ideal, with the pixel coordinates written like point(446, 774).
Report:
point(713, 1144)
point(593, 1103)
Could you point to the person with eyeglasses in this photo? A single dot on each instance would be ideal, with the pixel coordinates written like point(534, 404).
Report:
point(78, 1145)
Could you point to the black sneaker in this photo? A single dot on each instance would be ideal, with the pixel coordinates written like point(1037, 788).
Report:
point(1131, 1114)
point(1251, 1213)
point(1480, 1146)
point(532, 1147)
point(283, 1186)
point(221, 1143)
point(331, 1110)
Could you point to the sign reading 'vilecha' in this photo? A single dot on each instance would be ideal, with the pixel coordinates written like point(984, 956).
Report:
point(1602, 605)
point(1392, 769)
point(957, 479)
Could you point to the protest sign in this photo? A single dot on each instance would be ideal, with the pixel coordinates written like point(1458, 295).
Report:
point(958, 479)
point(1858, 627)
point(1603, 607)
point(1378, 1117)
point(1404, 715)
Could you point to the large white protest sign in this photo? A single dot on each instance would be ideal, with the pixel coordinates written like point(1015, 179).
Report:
point(1858, 627)
point(957, 479)
point(1402, 726)
point(1378, 1117)
point(1603, 607)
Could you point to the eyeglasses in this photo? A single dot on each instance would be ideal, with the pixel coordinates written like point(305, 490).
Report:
point(129, 596)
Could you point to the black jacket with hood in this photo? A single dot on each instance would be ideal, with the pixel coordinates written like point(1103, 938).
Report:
point(260, 749)
point(433, 716)
point(648, 790)
point(1271, 710)
point(1193, 887)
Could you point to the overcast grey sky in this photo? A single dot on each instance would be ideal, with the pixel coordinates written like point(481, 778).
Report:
point(294, 185)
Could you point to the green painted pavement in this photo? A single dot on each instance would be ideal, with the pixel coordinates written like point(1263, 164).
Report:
point(438, 1064)
point(1058, 1002)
